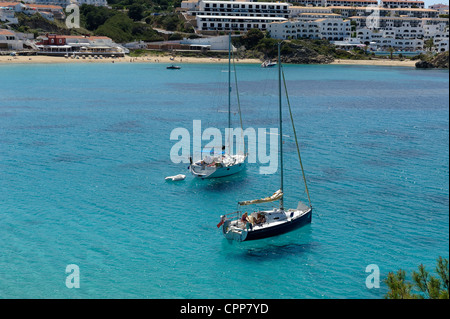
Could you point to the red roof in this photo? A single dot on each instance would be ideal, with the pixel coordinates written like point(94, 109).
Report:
point(8, 4)
point(44, 6)
point(6, 32)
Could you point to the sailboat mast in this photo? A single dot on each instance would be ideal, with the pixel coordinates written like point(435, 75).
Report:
point(229, 89)
point(281, 125)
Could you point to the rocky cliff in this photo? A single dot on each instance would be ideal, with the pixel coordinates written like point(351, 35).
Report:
point(440, 61)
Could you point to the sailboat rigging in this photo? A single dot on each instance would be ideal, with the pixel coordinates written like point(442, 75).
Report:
point(223, 164)
point(268, 223)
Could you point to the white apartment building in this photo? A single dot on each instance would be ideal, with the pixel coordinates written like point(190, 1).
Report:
point(296, 11)
point(239, 15)
point(440, 35)
point(7, 14)
point(385, 39)
point(385, 22)
point(189, 5)
point(347, 3)
point(9, 41)
point(402, 4)
point(351, 3)
point(234, 23)
point(330, 29)
point(244, 8)
point(441, 8)
point(97, 3)
point(384, 12)
point(443, 45)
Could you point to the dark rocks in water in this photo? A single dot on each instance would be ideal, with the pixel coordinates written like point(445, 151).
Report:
point(424, 65)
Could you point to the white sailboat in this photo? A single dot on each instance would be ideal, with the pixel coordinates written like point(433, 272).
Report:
point(267, 223)
point(220, 165)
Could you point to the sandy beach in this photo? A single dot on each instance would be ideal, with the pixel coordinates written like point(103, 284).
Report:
point(145, 59)
point(382, 62)
point(169, 60)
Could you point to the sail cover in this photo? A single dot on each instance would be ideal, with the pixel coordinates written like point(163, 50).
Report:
point(276, 196)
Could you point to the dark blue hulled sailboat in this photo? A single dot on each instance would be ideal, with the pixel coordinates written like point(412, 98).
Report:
point(273, 222)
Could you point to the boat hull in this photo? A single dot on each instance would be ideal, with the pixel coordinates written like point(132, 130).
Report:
point(227, 171)
point(280, 229)
point(217, 172)
point(265, 232)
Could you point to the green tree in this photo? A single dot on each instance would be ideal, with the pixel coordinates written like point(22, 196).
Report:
point(136, 12)
point(251, 39)
point(429, 44)
point(268, 47)
point(428, 286)
point(391, 52)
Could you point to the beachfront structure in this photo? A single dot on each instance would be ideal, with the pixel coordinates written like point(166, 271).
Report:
point(385, 39)
point(395, 21)
point(332, 29)
point(238, 15)
point(60, 45)
point(9, 41)
point(219, 43)
point(402, 4)
point(406, 34)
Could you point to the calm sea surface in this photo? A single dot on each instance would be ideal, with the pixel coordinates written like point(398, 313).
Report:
point(84, 150)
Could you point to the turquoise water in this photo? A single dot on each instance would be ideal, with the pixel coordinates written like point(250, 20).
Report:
point(84, 150)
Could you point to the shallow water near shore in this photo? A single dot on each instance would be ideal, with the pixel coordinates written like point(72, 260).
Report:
point(84, 150)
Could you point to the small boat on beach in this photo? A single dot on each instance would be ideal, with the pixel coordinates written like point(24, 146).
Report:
point(261, 224)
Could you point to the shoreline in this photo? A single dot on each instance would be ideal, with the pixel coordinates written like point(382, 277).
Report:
point(384, 62)
point(38, 59)
point(42, 59)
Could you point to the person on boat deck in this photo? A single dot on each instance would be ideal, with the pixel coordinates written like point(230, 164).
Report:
point(247, 221)
point(260, 219)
